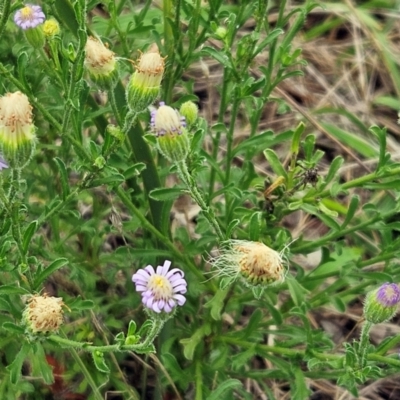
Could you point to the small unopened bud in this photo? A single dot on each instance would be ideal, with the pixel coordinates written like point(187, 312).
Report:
point(101, 64)
point(50, 28)
point(17, 132)
point(144, 85)
point(172, 137)
point(381, 304)
point(190, 111)
point(254, 262)
point(43, 314)
point(221, 32)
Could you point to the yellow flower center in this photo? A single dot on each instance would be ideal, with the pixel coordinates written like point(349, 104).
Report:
point(27, 12)
point(160, 286)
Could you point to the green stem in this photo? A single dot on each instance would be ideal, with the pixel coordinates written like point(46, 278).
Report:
point(364, 344)
point(169, 48)
point(199, 381)
point(163, 239)
point(72, 344)
point(114, 106)
point(96, 393)
point(334, 235)
point(4, 14)
point(197, 196)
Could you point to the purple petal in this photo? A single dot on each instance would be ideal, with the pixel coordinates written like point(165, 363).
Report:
point(180, 299)
point(181, 289)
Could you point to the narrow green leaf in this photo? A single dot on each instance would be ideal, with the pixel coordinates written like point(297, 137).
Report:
point(217, 303)
point(9, 289)
point(294, 148)
point(276, 165)
point(54, 266)
point(232, 225)
point(16, 366)
point(99, 362)
point(40, 366)
point(297, 291)
point(29, 232)
point(228, 386)
point(333, 169)
point(166, 194)
point(62, 169)
point(217, 55)
point(353, 207)
point(13, 328)
point(254, 226)
point(112, 180)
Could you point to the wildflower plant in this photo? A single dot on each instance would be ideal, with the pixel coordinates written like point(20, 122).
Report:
point(190, 208)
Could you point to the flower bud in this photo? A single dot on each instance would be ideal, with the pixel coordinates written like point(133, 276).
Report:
point(43, 314)
point(190, 111)
point(381, 304)
point(17, 132)
point(144, 85)
point(51, 28)
point(254, 262)
point(172, 137)
point(221, 32)
point(101, 64)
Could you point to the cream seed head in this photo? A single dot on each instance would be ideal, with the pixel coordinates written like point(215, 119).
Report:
point(17, 132)
point(144, 85)
point(254, 262)
point(101, 63)
point(43, 314)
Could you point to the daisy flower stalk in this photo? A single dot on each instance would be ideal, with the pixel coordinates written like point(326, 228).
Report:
point(29, 18)
point(380, 306)
point(173, 142)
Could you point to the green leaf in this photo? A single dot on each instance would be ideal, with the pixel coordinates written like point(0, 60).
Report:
point(333, 169)
point(16, 366)
point(353, 207)
point(217, 55)
point(254, 226)
point(132, 328)
point(62, 169)
point(54, 266)
point(99, 362)
point(227, 386)
point(134, 170)
point(276, 165)
point(297, 291)
point(9, 289)
point(299, 387)
point(13, 328)
point(216, 303)
point(294, 148)
point(232, 225)
point(352, 140)
point(29, 232)
point(190, 344)
point(40, 366)
point(166, 194)
point(112, 180)
point(381, 135)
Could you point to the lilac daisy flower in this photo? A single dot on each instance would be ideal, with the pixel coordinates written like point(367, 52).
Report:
point(161, 290)
point(29, 17)
point(388, 295)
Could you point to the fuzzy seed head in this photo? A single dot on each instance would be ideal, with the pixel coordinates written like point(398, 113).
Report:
point(43, 314)
point(254, 262)
point(99, 59)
